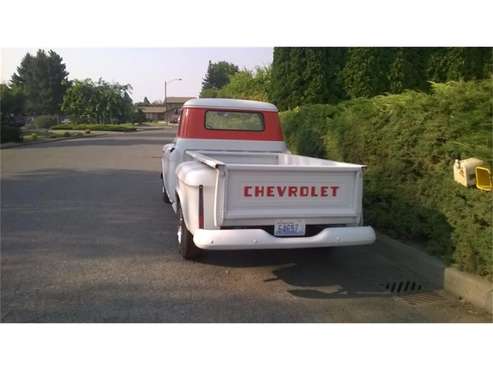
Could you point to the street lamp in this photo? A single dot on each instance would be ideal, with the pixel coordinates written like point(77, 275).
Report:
point(165, 94)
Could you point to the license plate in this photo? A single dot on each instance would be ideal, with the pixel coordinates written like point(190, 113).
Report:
point(289, 228)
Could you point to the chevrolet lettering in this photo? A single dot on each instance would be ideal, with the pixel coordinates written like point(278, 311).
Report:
point(290, 191)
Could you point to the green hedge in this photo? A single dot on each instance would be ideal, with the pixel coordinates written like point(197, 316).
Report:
point(409, 142)
point(95, 127)
point(10, 134)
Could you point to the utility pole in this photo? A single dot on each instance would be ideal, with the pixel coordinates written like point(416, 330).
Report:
point(166, 93)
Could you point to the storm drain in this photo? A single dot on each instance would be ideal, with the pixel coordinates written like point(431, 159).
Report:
point(411, 291)
point(403, 286)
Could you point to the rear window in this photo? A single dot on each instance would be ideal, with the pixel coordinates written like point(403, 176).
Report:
point(242, 121)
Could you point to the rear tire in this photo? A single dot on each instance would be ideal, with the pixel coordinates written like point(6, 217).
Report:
point(163, 192)
point(187, 248)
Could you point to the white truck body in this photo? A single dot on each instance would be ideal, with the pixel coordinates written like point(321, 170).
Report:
point(256, 195)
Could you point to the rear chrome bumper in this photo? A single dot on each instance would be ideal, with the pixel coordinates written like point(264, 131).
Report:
point(259, 239)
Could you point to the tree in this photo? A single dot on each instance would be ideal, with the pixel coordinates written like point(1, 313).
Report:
point(488, 62)
point(323, 73)
point(146, 101)
point(407, 70)
point(88, 101)
point(365, 73)
point(280, 91)
point(81, 101)
point(218, 75)
point(298, 83)
point(11, 103)
point(11, 106)
point(307, 76)
point(138, 116)
point(303, 76)
point(445, 64)
point(252, 85)
point(289, 79)
point(437, 65)
point(467, 63)
point(43, 80)
point(209, 93)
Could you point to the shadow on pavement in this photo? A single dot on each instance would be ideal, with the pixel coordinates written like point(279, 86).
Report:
point(325, 273)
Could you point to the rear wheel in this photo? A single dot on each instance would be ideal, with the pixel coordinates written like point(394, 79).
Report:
point(186, 246)
point(163, 192)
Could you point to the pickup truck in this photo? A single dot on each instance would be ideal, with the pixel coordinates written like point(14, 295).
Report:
point(234, 185)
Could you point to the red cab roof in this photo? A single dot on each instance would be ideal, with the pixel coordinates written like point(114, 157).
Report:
point(192, 122)
point(231, 104)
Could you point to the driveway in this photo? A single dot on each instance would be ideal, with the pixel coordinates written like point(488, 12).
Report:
point(85, 237)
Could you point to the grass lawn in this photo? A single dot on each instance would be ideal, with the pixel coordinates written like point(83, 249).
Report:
point(155, 124)
point(124, 127)
point(46, 134)
point(82, 130)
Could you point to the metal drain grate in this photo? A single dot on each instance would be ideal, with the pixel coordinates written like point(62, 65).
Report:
point(411, 291)
point(403, 286)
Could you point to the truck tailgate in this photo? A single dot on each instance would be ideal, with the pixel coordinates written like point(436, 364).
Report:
point(271, 186)
point(288, 193)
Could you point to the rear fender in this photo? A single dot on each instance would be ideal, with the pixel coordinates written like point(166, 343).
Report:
point(185, 209)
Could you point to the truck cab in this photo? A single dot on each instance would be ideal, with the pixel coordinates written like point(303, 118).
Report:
point(234, 185)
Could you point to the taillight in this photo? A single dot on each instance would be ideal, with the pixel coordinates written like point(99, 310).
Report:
point(201, 206)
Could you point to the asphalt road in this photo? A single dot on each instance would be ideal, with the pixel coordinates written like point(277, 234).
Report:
point(86, 238)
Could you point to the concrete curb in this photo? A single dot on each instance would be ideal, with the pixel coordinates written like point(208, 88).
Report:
point(140, 129)
point(472, 288)
point(464, 285)
point(15, 145)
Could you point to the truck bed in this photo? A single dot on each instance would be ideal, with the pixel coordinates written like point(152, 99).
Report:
point(233, 159)
point(259, 188)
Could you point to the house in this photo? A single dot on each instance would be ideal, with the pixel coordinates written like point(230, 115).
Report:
point(163, 112)
point(152, 112)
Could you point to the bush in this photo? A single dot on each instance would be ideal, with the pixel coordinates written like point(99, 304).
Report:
point(95, 127)
point(44, 121)
point(10, 134)
point(66, 134)
point(138, 116)
point(409, 142)
point(305, 127)
point(34, 136)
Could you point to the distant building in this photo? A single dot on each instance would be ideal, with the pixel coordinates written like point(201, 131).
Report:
point(161, 112)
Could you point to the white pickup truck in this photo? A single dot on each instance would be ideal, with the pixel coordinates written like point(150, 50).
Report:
point(234, 185)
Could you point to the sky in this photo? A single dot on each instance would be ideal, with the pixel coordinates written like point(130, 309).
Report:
point(144, 69)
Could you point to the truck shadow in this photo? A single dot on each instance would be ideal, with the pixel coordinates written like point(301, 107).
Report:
point(360, 271)
point(329, 273)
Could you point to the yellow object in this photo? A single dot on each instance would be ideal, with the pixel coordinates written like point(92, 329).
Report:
point(483, 178)
point(464, 171)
